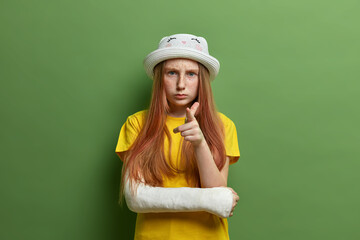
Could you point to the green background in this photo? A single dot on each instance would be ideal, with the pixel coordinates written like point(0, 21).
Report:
point(71, 72)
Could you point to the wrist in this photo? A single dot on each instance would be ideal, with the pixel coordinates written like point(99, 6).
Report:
point(200, 144)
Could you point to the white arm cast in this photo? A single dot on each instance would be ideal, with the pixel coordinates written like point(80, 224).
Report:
point(217, 200)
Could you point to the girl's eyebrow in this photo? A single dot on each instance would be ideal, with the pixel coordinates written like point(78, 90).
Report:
point(175, 69)
point(170, 68)
point(193, 70)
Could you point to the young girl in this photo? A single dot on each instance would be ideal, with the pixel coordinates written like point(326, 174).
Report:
point(177, 153)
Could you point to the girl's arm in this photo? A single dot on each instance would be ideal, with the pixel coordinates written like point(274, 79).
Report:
point(210, 176)
point(219, 200)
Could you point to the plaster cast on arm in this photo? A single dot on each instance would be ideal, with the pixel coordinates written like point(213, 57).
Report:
point(217, 200)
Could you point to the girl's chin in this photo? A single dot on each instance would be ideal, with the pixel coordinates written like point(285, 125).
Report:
point(180, 104)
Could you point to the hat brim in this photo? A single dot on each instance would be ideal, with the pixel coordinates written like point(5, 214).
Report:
point(159, 55)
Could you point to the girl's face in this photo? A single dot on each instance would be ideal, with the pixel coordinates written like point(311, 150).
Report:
point(181, 83)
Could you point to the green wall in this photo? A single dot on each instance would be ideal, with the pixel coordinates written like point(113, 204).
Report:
point(71, 72)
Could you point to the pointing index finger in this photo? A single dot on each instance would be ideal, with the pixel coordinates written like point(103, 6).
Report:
point(190, 112)
point(194, 107)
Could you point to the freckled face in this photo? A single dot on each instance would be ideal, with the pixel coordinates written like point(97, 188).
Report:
point(181, 82)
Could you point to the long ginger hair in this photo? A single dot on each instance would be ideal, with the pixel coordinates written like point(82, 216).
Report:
point(145, 161)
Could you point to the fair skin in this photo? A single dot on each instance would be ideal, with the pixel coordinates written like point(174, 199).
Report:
point(181, 83)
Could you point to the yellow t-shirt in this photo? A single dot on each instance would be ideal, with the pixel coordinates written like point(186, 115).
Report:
point(184, 225)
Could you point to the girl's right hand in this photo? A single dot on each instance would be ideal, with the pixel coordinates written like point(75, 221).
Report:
point(235, 200)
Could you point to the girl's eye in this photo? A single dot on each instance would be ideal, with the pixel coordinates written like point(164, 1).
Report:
point(171, 73)
point(192, 74)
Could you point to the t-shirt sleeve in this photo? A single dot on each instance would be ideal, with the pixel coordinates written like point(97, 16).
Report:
point(128, 133)
point(231, 140)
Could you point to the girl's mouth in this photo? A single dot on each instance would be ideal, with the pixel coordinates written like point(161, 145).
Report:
point(180, 96)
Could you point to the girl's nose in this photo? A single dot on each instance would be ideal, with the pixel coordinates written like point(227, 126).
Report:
point(181, 82)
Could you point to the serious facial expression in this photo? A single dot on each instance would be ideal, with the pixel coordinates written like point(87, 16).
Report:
point(181, 82)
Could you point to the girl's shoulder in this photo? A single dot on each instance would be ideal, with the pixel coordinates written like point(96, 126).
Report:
point(225, 120)
point(137, 119)
point(138, 115)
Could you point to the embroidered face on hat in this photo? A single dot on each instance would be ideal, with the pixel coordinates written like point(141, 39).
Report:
point(185, 40)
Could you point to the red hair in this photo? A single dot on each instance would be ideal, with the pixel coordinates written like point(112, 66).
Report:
point(145, 161)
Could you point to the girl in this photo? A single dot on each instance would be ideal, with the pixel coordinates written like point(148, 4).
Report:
point(177, 153)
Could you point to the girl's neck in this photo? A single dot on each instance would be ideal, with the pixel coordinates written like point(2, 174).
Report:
point(177, 114)
point(177, 111)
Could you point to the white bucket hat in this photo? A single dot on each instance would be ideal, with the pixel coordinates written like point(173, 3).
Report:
point(182, 46)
